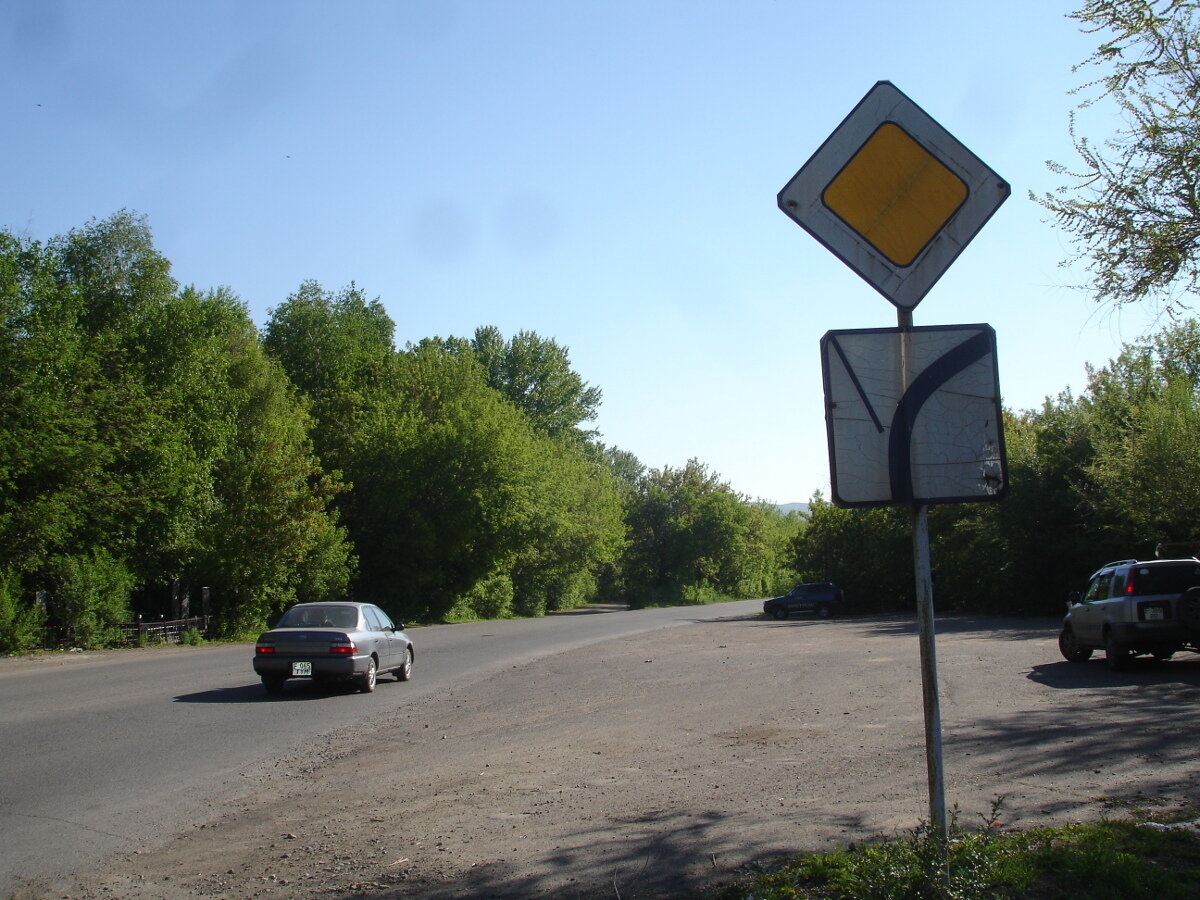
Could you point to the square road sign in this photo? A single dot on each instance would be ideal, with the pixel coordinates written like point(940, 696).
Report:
point(913, 415)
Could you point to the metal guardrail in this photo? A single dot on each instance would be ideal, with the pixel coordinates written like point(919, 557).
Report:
point(139, 633)
point(163, 632)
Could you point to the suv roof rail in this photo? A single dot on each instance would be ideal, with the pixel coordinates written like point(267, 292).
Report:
point(1119, 562)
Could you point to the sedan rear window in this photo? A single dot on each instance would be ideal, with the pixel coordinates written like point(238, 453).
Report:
point(319, 617)
point(1164, 579)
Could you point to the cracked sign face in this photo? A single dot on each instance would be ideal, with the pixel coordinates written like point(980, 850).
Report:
point(913, 415)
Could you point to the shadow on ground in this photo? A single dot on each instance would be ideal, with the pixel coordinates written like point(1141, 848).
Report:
point(657, 856)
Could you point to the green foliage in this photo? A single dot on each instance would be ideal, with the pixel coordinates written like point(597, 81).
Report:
point(490, 598)
point(535, 374)
point(1132, 208)
point(692, 536)
point(270, 540)
point(20, 623)
point(1144, 407)
point(865, 552)
point(1102, 861)
point(337, 349)
point(90, 596)
point(138, 426)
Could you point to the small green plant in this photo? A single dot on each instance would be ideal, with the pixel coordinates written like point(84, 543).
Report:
point(191, 637)
point(1102, 861)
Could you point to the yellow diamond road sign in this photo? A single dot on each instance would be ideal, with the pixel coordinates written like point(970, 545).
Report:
point(894, 195)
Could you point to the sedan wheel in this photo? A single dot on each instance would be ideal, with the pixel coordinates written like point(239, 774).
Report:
point(366, 681)
point(1069, 647)
point(779, 612)
point(272, 685)
point(405, 671)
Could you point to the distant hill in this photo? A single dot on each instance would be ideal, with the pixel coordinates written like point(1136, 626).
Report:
point(786, 508)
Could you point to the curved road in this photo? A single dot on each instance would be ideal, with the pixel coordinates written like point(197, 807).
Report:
point(107, 752)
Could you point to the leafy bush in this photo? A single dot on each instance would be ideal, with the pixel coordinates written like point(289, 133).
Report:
point(490, 598)
point(91, 597)
point(20, 625)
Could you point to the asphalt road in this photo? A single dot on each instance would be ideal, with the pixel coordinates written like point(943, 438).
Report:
point(108, 752)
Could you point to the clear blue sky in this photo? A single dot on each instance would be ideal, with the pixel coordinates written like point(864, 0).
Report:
point(602, 173)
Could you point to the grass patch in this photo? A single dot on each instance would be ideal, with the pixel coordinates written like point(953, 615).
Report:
point(1106, 860)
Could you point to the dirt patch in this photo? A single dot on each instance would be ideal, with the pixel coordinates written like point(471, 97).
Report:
point(651, 766)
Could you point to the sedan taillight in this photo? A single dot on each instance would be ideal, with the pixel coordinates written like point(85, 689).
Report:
point(342, 647)
point(261, 649)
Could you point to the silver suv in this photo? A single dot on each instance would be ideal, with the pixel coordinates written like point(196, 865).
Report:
point(1133, 607)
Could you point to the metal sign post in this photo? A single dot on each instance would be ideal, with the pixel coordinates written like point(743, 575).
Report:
point(923, 571)
point(913, 414)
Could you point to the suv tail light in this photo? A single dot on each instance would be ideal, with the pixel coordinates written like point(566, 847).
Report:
point(1130, 588)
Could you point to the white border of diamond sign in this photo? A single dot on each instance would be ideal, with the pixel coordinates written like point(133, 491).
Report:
point(905, 286)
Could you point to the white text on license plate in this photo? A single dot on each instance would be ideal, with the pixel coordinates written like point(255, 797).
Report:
point(301, 668)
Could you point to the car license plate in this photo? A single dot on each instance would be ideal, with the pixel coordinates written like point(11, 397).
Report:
point(1154, 612)
point(301, 668)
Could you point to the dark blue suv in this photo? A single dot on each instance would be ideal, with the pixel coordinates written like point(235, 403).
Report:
point(820, 597)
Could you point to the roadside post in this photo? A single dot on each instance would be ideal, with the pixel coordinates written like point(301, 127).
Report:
point(912, 413)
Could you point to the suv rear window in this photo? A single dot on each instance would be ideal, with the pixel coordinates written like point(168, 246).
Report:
point(1164, 579)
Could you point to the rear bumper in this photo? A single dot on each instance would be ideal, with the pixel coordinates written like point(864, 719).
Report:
point(1150, 634)
point(272, 666)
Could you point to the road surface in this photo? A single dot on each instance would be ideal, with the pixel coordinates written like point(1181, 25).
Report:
point(636, 754)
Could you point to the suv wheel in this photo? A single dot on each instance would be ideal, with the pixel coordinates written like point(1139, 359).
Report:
point(1189, 608)
point(1117, 656)
point(1069, 647)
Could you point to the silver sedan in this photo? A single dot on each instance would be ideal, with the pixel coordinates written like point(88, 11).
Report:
point(328, 642)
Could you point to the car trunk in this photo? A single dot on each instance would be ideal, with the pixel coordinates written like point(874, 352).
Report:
point(305, 641)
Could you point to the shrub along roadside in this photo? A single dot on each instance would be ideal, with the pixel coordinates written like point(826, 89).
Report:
point(1106, 860)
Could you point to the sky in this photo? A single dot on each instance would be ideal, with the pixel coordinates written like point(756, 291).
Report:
point(601, 173)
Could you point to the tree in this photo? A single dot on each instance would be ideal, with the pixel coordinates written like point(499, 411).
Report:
point(270, 539)
point(454, 487)
point(1145, 411)
point(690, 534)
point(1133, 208)
point(145, 439)
point(866, 552)
point(335, 347)
point(535, 374)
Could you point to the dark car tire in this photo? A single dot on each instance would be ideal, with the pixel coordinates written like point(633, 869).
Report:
point(1188, 609)
point(272, 685)
point(405, 671)
point(1116, 655)
point(780, 612)
point(1069, 647)
point(823, 611)
point(366, 681)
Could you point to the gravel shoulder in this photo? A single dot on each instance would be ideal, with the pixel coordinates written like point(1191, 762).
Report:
point(655, 765)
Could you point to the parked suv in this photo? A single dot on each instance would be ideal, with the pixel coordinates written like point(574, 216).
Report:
point(1133, 607)
point(821, 597)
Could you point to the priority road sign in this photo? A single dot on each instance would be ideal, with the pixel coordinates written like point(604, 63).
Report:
point(893, 195)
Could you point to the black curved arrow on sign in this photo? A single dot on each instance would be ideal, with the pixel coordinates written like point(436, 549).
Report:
point(923, 387)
